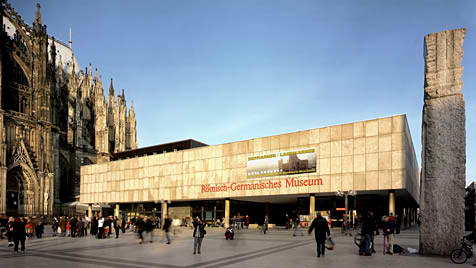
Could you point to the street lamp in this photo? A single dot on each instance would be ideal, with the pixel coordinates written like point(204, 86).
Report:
point(346, 194)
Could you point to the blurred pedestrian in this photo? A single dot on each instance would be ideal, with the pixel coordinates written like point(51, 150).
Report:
point(140, 229)
point(101, 228)
point(68, 227)
point(54, 226)
point(94, 227)
point(123, 225)
point(39, 229)
point(166, 226)
point(10, 232)
point(117, 226)
point(149, 229)
point(297, 227)
point(19, 234)
point(265, 224)
point(388, 231)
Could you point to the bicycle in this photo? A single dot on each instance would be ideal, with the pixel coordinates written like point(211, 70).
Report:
point(462, 254)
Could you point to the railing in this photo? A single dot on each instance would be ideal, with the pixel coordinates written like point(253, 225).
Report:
point(21, 115)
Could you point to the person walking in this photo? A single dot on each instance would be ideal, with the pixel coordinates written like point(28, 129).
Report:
point(117, 226)
point(149, 229)
point(198, 234)
point(94, 227)
point(39, 229)
point(388, 231)
point(297, 226)
point(123, 224)
point(10, 232)
point(101, 228)
point(374, 233)
point(28, 227)
point(62, 224)
point(166, 227)
point(54, 226)
point(265, 224)
point(140, 229)
point(80, 227)
point(68, 227)
point(85, 226)
point(322, 228)
point(19, 234)
point(109, 226)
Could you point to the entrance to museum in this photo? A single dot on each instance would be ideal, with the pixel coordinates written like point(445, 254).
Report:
point(19, 199)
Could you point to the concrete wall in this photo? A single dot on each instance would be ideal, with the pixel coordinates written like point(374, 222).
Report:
point(368, 155)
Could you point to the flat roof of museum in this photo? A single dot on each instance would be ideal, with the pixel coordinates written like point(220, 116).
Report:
point(158, 149)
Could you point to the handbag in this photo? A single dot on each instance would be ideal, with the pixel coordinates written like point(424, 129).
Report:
point(59, 230)
point(329, 244)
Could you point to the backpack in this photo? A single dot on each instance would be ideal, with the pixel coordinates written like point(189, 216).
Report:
point(397, 249)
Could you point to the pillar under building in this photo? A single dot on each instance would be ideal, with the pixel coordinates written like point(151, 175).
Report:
point(443, 175)
point(116, 210)
point(312, 206)
point(164, 211)
point(391, 202)
point(227, 213)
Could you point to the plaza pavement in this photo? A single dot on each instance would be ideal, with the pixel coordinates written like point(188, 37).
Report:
point(251, 248)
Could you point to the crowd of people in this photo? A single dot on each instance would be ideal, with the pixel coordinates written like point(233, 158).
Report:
point(22, 228)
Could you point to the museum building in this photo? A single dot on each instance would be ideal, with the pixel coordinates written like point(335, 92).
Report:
point(354, 168)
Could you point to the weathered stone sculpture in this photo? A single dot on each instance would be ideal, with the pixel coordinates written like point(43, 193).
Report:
point(443, 144)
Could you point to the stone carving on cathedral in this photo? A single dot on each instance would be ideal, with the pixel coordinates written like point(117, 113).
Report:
point(54, 116)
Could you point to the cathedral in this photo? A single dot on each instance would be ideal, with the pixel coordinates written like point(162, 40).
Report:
point(54, 117)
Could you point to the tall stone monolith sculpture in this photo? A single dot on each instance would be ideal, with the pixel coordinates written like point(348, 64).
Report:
point(443, 144)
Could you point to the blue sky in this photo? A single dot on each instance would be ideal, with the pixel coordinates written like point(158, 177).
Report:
point(222, 71)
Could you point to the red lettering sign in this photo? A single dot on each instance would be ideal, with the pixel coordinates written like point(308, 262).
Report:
point(290, 183)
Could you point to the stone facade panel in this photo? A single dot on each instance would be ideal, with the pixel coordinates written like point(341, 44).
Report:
point(371, 128)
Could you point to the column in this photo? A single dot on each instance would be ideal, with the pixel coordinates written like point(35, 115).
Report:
point(164, 211)
point(391, 202)
point(312, 206)
point(51, 195)
point(90, 211)
point(3, 190)
point(227, 212)
point(347, 204)
point(116, 210)
point(40, 210)
point(214, 213)
point(203, 213)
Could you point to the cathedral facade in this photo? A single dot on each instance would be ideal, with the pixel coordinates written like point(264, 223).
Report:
point(54, 118)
